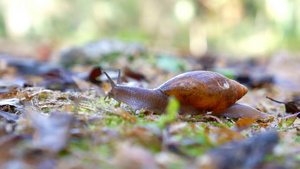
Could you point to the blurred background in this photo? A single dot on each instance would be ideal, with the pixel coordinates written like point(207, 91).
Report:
point(248, 28)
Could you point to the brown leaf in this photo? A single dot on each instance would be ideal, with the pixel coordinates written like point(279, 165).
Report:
point(293, 106)
point(223, 135)
point(68, 108)
point(125, 115)
point(94, 74)
point(9, 94)
point(243, 124)
point(135, 75)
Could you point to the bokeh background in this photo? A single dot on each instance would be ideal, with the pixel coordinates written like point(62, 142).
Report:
point(248, 28)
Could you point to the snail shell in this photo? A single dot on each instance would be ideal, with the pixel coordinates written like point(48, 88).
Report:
point(205, 90)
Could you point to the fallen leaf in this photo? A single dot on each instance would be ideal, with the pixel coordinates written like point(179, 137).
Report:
point(290, 107)
point(82, 84)
point(85, 86)
point(144, 135)
point(51, 132)
point(11, 93)
point(125, 115)
point(10, 117)
point(94, 74)
point(223, 135)
point(243, 124)
point(215, 118)
point(247, 153)
point(288, 120)
point(10, 105)
point(12, 81)
point(135, 75)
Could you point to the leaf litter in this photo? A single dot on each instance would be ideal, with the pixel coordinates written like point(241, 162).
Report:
point(75, 127)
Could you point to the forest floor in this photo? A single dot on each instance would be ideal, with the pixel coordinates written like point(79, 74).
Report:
point(56, 116)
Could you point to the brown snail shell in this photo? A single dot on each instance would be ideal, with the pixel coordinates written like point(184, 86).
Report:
point(205, 90)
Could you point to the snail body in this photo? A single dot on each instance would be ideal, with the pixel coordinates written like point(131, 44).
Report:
point(197, 91)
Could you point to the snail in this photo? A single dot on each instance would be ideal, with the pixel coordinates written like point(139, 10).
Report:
point(197, 91)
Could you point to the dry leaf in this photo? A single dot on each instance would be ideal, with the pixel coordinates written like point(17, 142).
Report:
point(10, 117)
point(288, 120)
point(10, 105)
point(82, 84)
point(51, 132)
point(223, 135)
point(94, 74)
point(290, 107)
point(135, 75)
point(11, 94)
point(248, 153)
point(243, 124)
point(144, 135)
point(85, 86)
point(125, 115)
